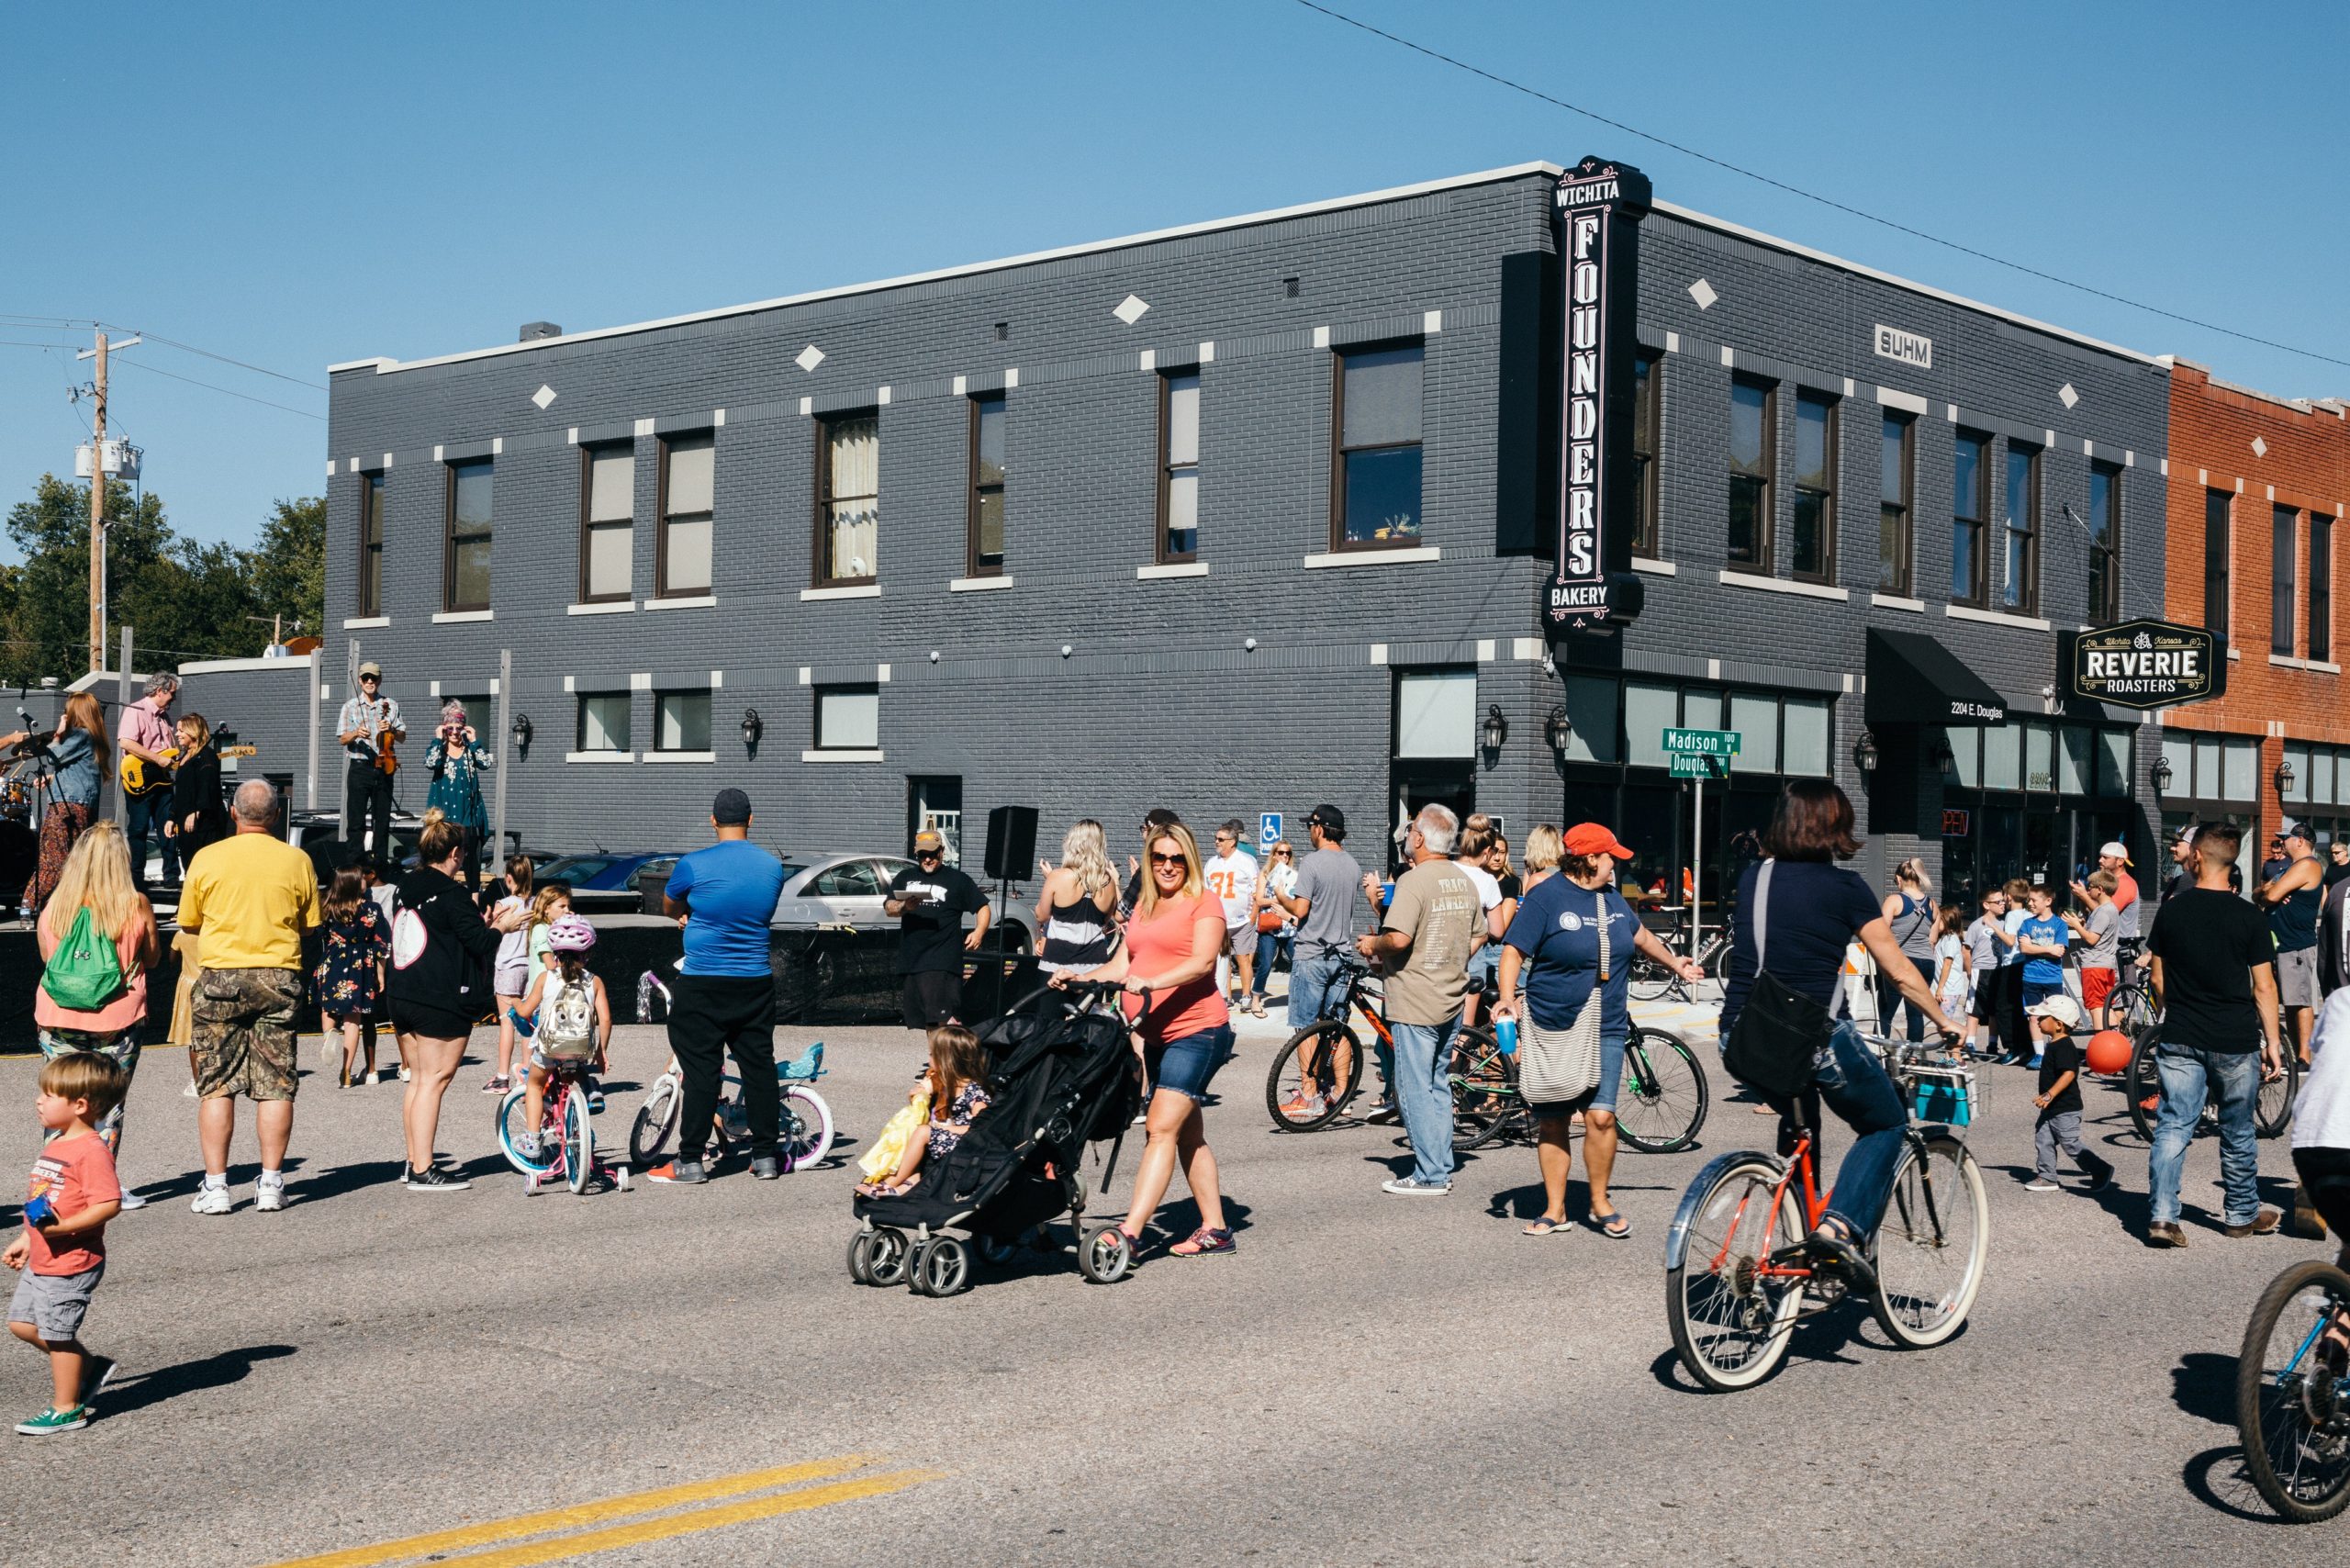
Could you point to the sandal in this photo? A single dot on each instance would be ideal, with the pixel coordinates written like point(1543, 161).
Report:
point(1204, 1243)
point(497, 1084)
point(1613, 1225)
point(1544, 1226)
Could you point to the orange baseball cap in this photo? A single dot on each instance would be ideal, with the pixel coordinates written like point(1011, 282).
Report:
point(1591, 838)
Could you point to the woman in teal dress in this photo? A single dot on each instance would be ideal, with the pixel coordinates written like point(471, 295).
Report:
point(455, 761)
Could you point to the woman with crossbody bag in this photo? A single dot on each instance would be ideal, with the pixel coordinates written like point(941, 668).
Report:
point(1910, 914)
point(1782, 1025)
point(1571, 941)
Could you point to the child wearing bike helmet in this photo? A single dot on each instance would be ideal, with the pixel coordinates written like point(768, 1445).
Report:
point(573, 1015)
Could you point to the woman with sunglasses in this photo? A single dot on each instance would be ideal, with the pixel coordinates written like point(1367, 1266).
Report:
point(1276, 931)
point(1168, 969)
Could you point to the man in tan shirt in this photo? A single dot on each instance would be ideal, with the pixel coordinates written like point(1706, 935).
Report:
point(1425, 940)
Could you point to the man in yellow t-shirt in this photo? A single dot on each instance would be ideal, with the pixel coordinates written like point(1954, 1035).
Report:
point(247, 898)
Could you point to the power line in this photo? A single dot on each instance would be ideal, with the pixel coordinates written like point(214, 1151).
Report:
point(192, 381)
point(224, 359)
point(1813, 196)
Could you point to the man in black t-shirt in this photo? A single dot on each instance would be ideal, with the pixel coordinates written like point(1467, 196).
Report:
point(930, 900)
point(2215, 976)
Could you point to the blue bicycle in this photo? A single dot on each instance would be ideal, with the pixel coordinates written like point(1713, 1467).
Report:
point(2290, 1406)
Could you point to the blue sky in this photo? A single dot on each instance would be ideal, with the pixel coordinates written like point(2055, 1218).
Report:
point(296, 185)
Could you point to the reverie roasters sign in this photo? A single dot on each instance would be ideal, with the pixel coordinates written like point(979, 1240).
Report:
point(1591, 588)
point(2143, 664)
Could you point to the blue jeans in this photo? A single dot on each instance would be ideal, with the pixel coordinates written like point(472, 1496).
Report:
point(2183, 1070)
point(1421, 1081)
point(1311, 980)
point(1268, 944)
point(144, 817)
point(1849, 1079)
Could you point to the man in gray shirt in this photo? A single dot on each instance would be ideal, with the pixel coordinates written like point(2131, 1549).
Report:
point(1323, 905)
point(1434, 919)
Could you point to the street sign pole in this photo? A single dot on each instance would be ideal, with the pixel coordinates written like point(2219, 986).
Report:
point(1693, 755)
point(1696, 865)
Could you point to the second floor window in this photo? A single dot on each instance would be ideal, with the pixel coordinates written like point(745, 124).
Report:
point(681, 721)
point(988, 482)
point(848, 718)
point(1893, 525)
point(1648, 381)
point(2320, 586)
point(1814, 554)
point(603, 720)
point(1376, 479)
point(607, 523)
point(2105, 543)
point(371, 543)
point(848, 499)
point(2283, 542)
point(1179, 469)
point(689, 510)
point(2216, 504)
point(1970, 478)
point(2019, 567)
point(466, 566)
point(1753, 425)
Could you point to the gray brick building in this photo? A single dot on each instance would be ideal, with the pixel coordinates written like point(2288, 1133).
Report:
point(932, 532)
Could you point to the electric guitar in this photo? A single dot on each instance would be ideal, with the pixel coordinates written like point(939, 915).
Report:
point(142, 778)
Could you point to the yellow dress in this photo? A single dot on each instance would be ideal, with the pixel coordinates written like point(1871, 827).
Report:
point(912, 1121)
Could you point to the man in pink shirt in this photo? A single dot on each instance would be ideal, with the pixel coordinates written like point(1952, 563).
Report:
point(146, 734)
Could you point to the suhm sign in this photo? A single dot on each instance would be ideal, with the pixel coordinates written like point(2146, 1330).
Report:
point(1591, 588)
point(2144, 663)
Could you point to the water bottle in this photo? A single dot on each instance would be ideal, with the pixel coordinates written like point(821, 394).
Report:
point(1505, 1035)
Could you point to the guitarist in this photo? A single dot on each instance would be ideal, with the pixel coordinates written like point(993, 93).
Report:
point(369, 725)
point(147, 743)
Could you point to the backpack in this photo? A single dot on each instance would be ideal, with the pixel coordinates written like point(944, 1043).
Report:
point(86, 972)
point(567, 1019)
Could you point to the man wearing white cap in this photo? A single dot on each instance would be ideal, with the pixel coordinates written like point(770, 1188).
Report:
point(2114, 856)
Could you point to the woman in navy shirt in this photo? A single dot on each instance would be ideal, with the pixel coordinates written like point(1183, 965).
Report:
point(1816, 909)
point(1553, 941)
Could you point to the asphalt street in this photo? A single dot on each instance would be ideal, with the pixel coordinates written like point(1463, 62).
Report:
point(1368, 1380)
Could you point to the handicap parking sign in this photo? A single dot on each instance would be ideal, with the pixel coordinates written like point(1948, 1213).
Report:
point(1269, 832)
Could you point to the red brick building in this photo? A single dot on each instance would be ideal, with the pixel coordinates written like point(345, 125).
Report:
point(2257, 491)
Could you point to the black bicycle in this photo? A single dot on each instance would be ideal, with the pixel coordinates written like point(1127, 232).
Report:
point(1660, 1101)
point(2272, 1114)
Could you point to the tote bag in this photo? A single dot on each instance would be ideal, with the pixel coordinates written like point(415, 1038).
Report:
point(1558, 1066)
point(1779, 1031)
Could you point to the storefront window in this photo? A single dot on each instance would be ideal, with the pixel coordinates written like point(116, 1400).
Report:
point(1756, 720)
point(1965, 756)
point(2074, 773)
point(1591, 709)
point(2242, 759)
point(2114, 774)
point(1702, 710)
point(1805, 753)
point(1648, 711)
point(2039, 768)
point(2297, 757)
point(2002, 756)
point(2321, 766)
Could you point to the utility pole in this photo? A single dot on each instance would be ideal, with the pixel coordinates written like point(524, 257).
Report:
point(98, 517)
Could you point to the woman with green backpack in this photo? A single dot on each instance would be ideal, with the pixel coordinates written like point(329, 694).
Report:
point(97, 941)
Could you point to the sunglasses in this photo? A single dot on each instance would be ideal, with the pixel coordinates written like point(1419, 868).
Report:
point(930, 855)
point(1159, 859)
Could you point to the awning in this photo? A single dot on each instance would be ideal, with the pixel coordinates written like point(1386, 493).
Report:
point(1915, 680)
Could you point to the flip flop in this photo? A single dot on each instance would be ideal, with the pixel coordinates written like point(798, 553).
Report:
point(1544, 1226)
point(1613, 1225)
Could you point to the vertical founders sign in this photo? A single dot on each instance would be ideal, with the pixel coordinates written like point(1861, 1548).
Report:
point(1591, 588)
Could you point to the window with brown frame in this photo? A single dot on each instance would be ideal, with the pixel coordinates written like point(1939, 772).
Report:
point(848, 499)
point(607, 522)
point(687, 509)
point(1812, 555)
point(464, 562)
point(2105, 543)
point(1753, 435)
point(1647, 378)
point(1895, 469)
point(1375, 458)
point(2217, 541)
point(2321, 587)
point(1178, 466)
point(371, 543)
point(1970, 482)
point(985, 542)
point(2284, 545)
point(2020, 565)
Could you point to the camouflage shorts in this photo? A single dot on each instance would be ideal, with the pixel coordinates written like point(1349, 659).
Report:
point(244, 1033)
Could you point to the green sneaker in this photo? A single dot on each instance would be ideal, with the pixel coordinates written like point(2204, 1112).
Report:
point(52, 1421)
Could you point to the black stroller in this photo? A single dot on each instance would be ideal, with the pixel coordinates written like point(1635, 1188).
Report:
point(1062, 1075)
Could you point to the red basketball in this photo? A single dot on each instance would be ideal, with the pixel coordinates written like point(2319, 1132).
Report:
point(2109, 1051)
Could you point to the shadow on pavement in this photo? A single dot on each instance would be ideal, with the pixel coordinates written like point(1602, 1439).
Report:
point(2203, 1384)
point(216, 1370)
point(1820, 1339)
point(2216, 1479)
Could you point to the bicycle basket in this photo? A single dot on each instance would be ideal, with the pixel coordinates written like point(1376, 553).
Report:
point(1942, 1092)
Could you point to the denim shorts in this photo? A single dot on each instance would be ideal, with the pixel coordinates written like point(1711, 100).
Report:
point(1611, 1071)
point(1187, 1064)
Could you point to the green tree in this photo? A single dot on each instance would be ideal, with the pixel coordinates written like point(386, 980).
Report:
point(289, 564)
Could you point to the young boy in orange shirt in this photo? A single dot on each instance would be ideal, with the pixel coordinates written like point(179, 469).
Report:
point(61, 1252)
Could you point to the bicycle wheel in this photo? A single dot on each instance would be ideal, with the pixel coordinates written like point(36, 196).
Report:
point(2289, 1406)
point(1314, 1077)
point(1484, 1088)
point(806, 1134)
point(2141, 1087)
point(510, 1123)
point(1932, 1243)
point(1651, 980)
point(1729, 1319)
point(2272, 1114)
point(656, 1123)
point(578, 1140)
point(2132, 1007)
point(1662, 1099)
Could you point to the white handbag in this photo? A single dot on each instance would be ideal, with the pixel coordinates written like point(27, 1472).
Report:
point(1558, 1066)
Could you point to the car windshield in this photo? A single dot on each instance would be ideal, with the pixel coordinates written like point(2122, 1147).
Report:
point(574, 869)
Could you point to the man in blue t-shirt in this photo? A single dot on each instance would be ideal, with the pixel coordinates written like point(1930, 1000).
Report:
point(723, 998)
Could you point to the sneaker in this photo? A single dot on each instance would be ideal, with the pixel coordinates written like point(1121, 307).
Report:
point(1413, 1187)
point(2099, 1181)
point(49, 1422)
point(595, 1102)
point(212, 1199)
point(404, 1074)
point(1383, 1110)
point(432, 1178)
point(765, 1167)
point(96, 1372)
point(2042, 1185)
point(373, 1078)
point(1303, 1108)
point(679, 1173)
point(527, 1145)
point(131, 1200)
point(189, 1092)
point(269, 1192)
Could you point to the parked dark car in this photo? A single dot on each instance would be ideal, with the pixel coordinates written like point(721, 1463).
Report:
point(601, 883)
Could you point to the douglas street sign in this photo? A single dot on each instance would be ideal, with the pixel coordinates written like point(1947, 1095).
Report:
point(2143, 664)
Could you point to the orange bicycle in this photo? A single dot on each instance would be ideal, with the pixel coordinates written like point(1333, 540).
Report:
point(1738, 1278)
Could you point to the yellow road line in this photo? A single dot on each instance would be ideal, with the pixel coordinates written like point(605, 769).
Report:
point(668, 1525)
point(580, 1513)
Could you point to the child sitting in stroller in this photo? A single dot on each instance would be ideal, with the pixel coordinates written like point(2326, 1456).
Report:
point(953, 1086)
